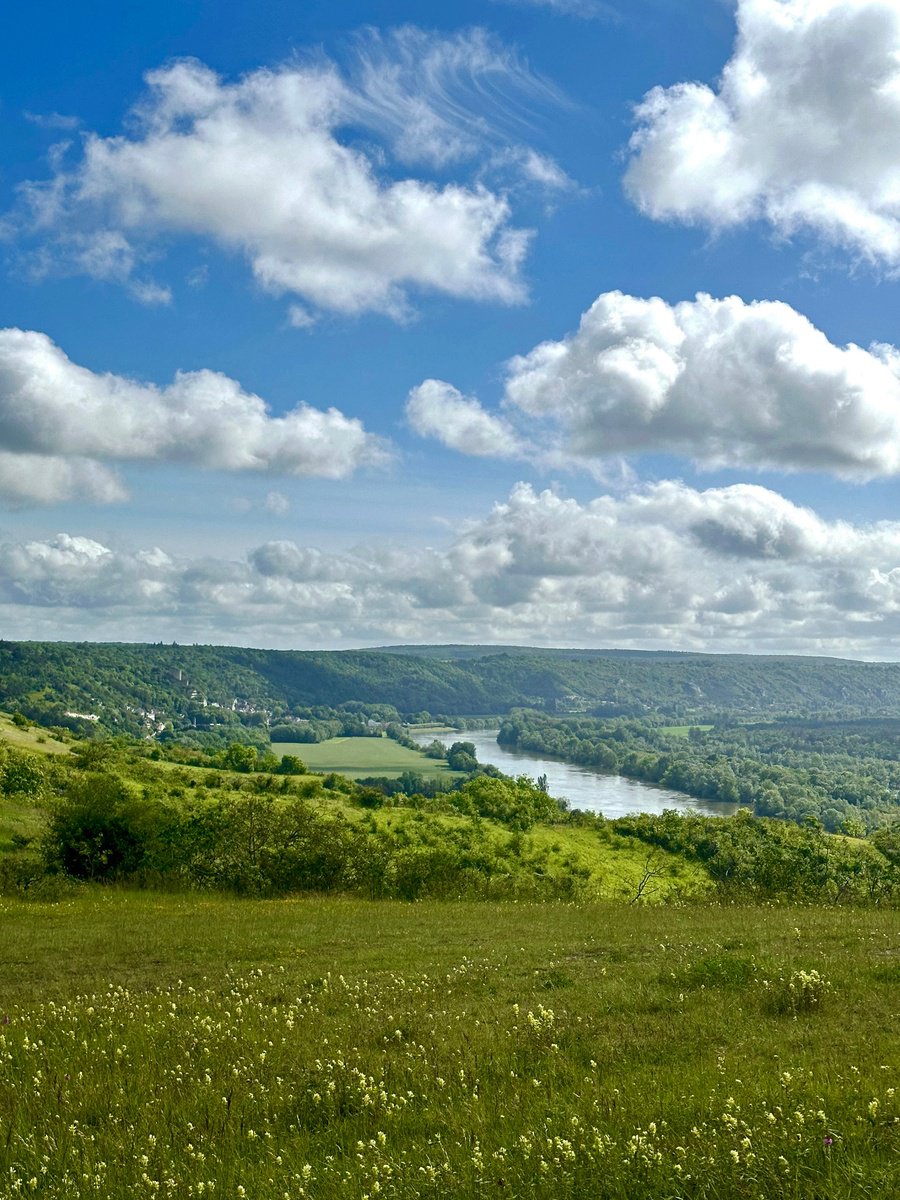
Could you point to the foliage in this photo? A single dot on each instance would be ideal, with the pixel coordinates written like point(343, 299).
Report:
point(270, 830)
point(239, 757)
point(767, 859)
point(98, 830)
point(844, 774)
point(462, 757)
point(213, 695)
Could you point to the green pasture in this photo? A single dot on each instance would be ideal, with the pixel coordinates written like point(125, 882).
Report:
point(683, 731)
point(35, 739)
point(190, 1046)
point(357, 757)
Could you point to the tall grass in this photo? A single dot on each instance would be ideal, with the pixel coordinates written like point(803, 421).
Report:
point(158, 1045)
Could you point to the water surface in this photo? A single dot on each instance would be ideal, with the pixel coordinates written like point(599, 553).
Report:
point(587, 788)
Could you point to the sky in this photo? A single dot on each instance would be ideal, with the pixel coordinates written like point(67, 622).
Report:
point(544, 322)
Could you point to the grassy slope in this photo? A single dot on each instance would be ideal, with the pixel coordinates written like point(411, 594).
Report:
point(380, 1042)
point(16, 817)
point(35, 739)
point(616, 864)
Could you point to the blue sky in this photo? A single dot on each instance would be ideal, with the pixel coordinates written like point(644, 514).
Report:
point(561, 323)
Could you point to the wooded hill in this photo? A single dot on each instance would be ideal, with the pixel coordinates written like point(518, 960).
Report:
point(135, 688)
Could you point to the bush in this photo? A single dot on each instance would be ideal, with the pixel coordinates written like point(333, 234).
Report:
point(98, 830)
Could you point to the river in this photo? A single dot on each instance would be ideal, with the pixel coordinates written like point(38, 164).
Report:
point(584, 787)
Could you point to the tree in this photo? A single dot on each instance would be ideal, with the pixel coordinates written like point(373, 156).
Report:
point(22, 773)
point(462, 757)
point(291, 765)
point(239, 757)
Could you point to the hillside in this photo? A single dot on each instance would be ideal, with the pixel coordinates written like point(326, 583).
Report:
point(141, 688)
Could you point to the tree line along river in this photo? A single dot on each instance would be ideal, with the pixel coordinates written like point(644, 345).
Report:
point(587, 788)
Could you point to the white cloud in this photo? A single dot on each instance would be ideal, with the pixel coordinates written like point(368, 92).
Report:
point(103, 254)
point(277, 503)
point(300, 317)
point(53, 121)
point(739, 568)
point(438, 410)
point(722, 382)
point(444, 99)
point(60, 422)
point(586, 9)
point(274, 167)
point(29, 479)
point(802, 131)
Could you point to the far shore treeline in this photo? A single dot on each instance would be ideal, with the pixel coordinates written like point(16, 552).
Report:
point(135, 688)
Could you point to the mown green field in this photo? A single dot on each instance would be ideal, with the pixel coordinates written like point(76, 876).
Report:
point(683, 731)
point(358, 757)
point(162, 1045)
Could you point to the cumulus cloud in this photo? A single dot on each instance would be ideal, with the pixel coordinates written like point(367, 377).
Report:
point(438, 410)
point(60, 424)
point(803, 129)
point(664, 565)
point(722, 382)
point(279, 167)
point(29, 479)
point(277, 503)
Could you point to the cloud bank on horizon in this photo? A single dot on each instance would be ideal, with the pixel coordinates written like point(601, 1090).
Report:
point(665, 565)
point(404, 183)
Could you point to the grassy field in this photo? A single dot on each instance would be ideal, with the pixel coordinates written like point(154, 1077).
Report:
point(683, 731)
point(156, 1045)
point(34, 738)
point(361, 756)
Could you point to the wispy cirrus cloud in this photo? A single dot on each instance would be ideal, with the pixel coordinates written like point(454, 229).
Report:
point(588, 10)
point(445, 99)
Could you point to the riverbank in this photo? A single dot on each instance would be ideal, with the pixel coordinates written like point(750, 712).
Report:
point(587, 788)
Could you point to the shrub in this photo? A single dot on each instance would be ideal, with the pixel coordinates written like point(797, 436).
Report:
point(98, 830)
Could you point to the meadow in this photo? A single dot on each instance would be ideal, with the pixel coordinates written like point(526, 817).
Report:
point(358, 757)
point(165, 1045)
point(569, 1007)
point(683, 731)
